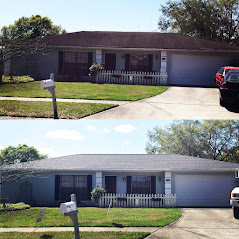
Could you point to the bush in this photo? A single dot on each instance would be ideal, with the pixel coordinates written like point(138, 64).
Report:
point(14, 206)
point(95, 68)
point(16, 79)
point(96, 193)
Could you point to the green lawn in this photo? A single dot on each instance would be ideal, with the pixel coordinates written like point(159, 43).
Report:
point(45, 109)
point(70, 235)
point(79, 90)
point(92, 217)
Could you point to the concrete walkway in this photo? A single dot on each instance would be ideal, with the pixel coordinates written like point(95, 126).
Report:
point(201, 223)
point(116, 102)
point(175, 103)
point(83, 229)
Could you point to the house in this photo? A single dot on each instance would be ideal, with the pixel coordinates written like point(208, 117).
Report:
point(186, 60)
point(197, 182)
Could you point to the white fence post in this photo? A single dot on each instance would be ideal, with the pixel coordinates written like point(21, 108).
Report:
point(138, 200)
point(132, 78)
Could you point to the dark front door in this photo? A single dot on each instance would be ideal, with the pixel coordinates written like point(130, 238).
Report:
point(110, 184)
point(110, 61)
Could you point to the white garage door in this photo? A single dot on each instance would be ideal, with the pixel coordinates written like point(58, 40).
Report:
point(195, 70)
point(203, 190)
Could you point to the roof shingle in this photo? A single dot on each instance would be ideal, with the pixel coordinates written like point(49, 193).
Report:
point(127, 162)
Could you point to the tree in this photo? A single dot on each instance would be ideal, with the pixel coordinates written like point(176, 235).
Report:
point(14, 163)
point(207, 19)
point(32, 27)
point(19, 154)
point(12, 42)
point(212, 139)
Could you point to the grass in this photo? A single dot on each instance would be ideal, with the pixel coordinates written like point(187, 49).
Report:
point(69, 235)
point(45, 109)
point(92, 217)
point(79, 90)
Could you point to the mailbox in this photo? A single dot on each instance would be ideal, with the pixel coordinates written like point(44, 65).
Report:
point(68, 207)
point(47, 83)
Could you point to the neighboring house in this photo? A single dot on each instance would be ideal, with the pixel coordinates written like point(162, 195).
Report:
point(187, 60)
point(197, 182)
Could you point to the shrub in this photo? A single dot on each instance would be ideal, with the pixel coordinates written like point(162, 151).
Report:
point(16, 79)
point(96, 193)
point(14, 206)
point(95, 68)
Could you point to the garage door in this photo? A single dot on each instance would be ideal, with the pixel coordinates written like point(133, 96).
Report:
point(203, 190)
point(195, 70)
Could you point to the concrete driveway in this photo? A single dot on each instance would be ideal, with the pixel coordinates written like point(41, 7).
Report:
point(201, 223)
point(175, 103)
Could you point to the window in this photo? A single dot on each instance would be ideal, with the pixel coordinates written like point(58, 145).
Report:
point(77, 184)
point(141, 184)
point(139, 62)
point(74, 63)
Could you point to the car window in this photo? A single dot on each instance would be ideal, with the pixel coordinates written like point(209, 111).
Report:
point(227, 70)
point(233, 77)
point(221, 70)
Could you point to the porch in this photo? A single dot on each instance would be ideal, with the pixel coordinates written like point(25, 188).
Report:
point(131, 77)
point(138, 200)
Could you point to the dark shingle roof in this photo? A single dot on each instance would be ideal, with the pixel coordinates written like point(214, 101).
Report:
point(137, 40)
point(126, 162)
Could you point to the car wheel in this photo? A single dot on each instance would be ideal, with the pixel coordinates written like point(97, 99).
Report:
point(222, 102)
point(236, 212)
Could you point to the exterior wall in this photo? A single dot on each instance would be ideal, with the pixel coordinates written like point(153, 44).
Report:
point(43, 189)
point(120, 61)
point(121, 185)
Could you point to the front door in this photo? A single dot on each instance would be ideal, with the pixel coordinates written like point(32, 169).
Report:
point(110, 61)
point(110, 184)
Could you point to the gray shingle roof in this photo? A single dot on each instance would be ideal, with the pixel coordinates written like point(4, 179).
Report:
point(127, 162)
point(135, 40)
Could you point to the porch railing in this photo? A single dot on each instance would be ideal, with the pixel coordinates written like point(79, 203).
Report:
point(132, 78)
point(138, 200)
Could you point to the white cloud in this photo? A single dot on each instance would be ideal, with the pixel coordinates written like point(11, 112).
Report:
point(127, 142)
point(49, 151)
point(106, 130)
point(2, 147)
point(91, 128)
point(65, 134)
point(125, 128)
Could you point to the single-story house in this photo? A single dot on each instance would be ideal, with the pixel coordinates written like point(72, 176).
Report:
point(197, 182)
point(186, 60)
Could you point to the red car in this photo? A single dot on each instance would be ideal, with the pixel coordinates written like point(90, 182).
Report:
point(222, 72)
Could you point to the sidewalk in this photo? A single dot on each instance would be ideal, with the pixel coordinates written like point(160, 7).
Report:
point(83, 229)
point(116, 102)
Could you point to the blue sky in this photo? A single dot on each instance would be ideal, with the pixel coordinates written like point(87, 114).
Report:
point(93, 15)
point(66, 137)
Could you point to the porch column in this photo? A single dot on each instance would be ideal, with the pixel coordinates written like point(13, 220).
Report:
point(167, 183)
point(163, 67)
point(99, 56)
point(99, 179)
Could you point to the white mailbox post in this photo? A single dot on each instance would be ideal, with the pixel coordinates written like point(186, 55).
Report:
point(50, 86)
point(70, 209)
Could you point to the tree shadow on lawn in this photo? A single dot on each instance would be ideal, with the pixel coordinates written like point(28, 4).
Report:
point(117, 225)
point(45, 236)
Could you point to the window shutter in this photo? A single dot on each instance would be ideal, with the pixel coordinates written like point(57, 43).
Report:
point(89, 185)
point(128, 190)
point(150, 66)
point(60, 65)
point(127, 56)
point(153, 185)
point(57, 187)
point(90, 59)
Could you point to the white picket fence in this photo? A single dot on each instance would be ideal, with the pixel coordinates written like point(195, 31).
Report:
point(131, 78)
point(138, 200)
